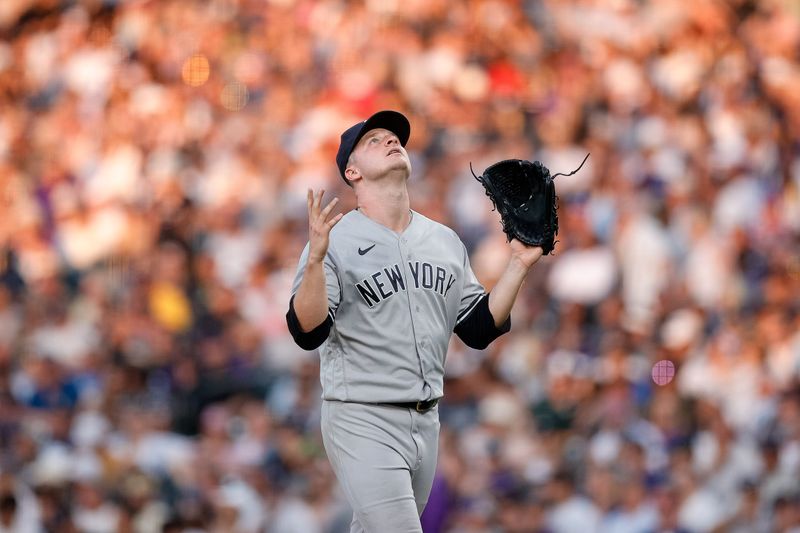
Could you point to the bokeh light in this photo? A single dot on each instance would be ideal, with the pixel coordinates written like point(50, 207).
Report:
point(234, 96)
point(196, 70)
point(663, 372)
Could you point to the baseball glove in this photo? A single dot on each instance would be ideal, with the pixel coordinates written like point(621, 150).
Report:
point(525, 195)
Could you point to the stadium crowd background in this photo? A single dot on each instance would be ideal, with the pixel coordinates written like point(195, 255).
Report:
point(154, 160)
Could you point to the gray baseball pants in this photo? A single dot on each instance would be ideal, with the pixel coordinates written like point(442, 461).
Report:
point(384, 458)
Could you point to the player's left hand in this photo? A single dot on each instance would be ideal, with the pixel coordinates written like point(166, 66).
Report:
point(524, 254)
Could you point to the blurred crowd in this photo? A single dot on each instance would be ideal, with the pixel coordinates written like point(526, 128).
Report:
point(154, 161)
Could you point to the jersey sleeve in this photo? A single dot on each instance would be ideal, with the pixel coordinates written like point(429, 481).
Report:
point(475, 323)
point(310, 340)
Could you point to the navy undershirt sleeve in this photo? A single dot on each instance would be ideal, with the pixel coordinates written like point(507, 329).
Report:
point(307, 340)
point(477, 330)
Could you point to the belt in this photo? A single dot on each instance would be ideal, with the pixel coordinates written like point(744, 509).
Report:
point(422, 406)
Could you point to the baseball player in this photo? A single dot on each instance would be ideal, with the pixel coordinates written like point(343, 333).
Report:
point(379, 291)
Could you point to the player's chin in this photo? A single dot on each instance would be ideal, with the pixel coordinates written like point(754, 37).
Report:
point(401, 165)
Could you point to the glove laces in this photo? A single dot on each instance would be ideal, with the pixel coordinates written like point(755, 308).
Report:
point(574, 171)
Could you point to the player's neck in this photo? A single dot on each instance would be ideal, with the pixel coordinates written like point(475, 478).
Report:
point(386, 205)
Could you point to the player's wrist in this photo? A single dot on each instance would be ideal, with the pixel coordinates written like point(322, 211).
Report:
point(519, 264)
point(314, 260)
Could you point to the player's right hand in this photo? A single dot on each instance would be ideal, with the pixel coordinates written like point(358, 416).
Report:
point(319, 227)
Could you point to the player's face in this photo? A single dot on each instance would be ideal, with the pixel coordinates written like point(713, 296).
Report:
point(378, 153)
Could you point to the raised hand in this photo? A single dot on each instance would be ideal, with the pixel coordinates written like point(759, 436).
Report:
point(504, 293)
point(319, 227)
point(526, 255)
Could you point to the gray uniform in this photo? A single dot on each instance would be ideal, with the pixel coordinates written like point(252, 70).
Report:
point(394, 300)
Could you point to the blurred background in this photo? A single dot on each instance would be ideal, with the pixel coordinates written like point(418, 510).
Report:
point(154, 161)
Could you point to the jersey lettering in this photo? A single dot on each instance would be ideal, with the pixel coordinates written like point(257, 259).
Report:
point(439, 283)
point(414, 267)
point(388, 281)
point(380, 285)
point(427, 276)
point(395, 277)
point(367, 292)
point(449, 284)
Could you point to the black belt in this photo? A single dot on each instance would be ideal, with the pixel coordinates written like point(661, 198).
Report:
point(422, 406)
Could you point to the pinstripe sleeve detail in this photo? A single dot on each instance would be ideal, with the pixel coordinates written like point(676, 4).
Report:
point(469, 308)
point(477, 329)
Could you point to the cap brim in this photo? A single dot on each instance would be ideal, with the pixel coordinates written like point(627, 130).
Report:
point(393, 121)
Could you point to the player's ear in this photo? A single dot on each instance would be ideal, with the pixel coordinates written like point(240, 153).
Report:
point(352, 173)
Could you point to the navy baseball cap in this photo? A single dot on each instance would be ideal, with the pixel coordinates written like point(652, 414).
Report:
point(393, 121)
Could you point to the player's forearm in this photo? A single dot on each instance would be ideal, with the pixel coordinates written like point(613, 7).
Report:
point(504, 293)
point(311, 300)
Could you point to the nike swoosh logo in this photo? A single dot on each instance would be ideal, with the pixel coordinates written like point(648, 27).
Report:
point(365, 250)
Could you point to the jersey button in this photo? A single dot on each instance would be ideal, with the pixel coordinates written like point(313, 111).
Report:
point(417, 308)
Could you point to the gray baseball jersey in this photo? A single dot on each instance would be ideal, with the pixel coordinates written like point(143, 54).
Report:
point(394, 300)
